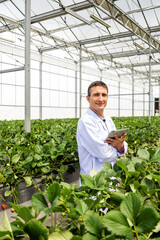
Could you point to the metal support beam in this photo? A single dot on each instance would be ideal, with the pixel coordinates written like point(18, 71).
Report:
point(76, 80)
point(144, 101)
point(149, 114)
point(40, 87)
point(132, 94)
point(119, 99)
point(12, 70)
point(80, 83)
point(120, 16)
point(128, 94)
point(27, 65)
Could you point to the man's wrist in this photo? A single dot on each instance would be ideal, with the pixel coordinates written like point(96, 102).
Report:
point(121, 150)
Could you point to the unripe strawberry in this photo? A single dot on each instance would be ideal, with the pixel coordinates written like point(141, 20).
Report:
point(4, 207)
point(12, 210)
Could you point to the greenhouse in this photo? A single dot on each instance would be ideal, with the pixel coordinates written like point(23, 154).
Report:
point(50, 52)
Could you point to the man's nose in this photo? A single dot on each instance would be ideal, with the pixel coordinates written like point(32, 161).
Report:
point(100, 97)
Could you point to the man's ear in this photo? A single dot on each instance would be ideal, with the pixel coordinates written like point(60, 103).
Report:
point(87, 97)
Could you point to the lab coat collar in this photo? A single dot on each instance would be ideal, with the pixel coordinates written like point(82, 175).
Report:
point(92, 113)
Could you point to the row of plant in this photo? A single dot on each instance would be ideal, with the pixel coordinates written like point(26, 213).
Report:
point(122, 202)
point(52, 144)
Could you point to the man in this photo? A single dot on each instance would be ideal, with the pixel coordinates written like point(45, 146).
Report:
point(94, 148)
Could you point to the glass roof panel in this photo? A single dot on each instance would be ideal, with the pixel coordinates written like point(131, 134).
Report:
point(52, 26)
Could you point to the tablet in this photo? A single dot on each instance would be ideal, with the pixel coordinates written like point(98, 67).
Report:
point(119, 132)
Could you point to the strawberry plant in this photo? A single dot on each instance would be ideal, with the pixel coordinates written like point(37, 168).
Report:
point(122, 202)
point(52, 144)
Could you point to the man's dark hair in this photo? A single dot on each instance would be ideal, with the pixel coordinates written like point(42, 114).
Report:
point(95, 84)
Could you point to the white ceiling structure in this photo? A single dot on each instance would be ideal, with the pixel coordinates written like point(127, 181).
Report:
point(122, 36)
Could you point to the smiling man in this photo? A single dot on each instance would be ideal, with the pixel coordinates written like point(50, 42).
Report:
point(94, 148)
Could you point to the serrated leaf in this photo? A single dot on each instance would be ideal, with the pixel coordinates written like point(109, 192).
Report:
point(147, 220)
point(39, 202)
point(117, 223)
point(61, 235)
point(122, 166)
point(156, 157)
point(93, 222)
point(81, 206)
point(143, 153)
point(130, 207)
point(28, 181)
point(36, 230)
point(25, 214)
point(89, 236)
point(53, 192)
point(87, 180)
point(117, 196)
point(147, 182)
point(99, 180)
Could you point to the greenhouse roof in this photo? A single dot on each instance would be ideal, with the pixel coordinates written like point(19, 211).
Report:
point(122, 36)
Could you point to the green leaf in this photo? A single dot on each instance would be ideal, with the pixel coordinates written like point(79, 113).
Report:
point(143, 153)
point(53, 192)
point(28, 181)
point(28, 159)
point(117, 196)
point(6, 223)
point(87, 180)
point(46, 169)
point(131, 206)
point(117, 223)
point(147, 220)
point(93, 222)
point(36, 230)
point(25, 214)
point(76, 238)
point(89, 236)
point(147, 182)
point(122, 166)
point(156, 157)
point(4, 235)
point(81, 206)
point(39, 202)
point(61, 235)
point(37, 157)
point(16, 158)
point(100, 179)
point(7, 193)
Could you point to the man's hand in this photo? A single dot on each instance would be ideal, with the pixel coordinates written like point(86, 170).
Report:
point(118, 142)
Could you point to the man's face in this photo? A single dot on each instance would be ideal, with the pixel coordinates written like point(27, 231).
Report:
point(98, 99)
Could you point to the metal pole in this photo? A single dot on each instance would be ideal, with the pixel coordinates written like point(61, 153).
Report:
point(40, 87)
point(132, 93)
point(119, 105)
point(149, 116)
point(101, 74)
point(144, 101)
point(12, 70)
point(27, 65)
point(80, 81)
point(76, 77)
